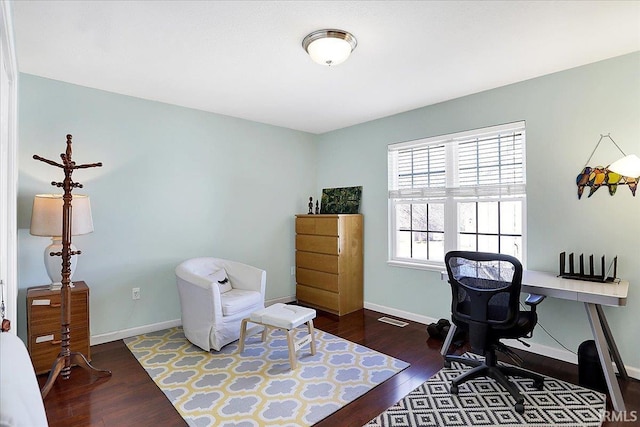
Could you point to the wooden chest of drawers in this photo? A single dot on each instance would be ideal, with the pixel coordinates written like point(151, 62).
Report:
point(329, 262)
point(43, 324)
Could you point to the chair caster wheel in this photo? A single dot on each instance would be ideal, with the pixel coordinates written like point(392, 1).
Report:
point(520, 408)
point(447, 364)
point(453, 389)
point(538, 385)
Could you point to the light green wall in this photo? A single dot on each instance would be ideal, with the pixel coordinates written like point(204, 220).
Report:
point(179, 183)
point(176, 183)
point(565, 114)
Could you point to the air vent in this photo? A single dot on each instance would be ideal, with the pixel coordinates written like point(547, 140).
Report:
point(393, 322)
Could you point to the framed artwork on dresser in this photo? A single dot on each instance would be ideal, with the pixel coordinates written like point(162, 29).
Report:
point(343, 200)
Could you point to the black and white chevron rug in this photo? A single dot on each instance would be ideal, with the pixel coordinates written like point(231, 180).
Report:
point(483, 402)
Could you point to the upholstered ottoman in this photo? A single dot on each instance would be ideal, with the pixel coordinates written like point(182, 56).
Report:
point(285, 317)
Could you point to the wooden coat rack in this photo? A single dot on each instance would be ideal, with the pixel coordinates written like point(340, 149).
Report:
point(66, 358)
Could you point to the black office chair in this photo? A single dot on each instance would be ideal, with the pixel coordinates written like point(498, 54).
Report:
point(486, 296)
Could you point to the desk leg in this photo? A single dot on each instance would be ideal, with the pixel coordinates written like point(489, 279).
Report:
point(622, 370)
point(605, 357)
point(448, 339)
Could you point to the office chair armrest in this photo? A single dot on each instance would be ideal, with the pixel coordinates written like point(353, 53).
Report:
point(533, 300)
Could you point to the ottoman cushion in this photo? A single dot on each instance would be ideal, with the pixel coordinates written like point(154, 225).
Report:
point(283, 315)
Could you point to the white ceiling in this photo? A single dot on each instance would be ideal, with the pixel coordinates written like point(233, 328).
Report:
point(244, 58)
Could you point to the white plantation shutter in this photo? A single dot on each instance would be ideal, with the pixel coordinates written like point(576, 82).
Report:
point(486, 162)
point(417, 170)
point(459, 191)
point(491, 165)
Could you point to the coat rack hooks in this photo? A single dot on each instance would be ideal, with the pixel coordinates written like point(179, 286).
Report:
point(66, 358)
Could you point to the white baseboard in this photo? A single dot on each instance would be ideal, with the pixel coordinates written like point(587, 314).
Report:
point(633, 372)
point(563, 355)
point(132, 332)
point(283, 300)
point(144, 329)
point(543, 350)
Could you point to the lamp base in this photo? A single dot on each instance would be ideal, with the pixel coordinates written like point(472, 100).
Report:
point(53, 263)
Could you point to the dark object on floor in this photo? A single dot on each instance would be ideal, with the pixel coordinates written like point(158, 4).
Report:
point(590, 372)
point(440, 330)
point(437, 330)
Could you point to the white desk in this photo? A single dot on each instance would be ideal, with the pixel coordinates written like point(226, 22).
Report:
point(549, 284)
point(594, 295)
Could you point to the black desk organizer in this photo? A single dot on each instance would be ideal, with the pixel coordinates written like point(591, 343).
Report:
point(591, 277)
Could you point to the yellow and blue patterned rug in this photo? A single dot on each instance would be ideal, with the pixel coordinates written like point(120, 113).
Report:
point(257, 388)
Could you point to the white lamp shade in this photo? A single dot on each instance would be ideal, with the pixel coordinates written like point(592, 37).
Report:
point(628, 166)
point(46, 217)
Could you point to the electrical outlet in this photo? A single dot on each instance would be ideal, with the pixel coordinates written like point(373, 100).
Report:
point(293, 271)
point(135, 293)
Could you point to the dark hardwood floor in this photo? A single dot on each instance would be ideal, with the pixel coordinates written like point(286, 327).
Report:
point(130, 398)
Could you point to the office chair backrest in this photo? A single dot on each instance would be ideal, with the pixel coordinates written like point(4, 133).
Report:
point(485, 291)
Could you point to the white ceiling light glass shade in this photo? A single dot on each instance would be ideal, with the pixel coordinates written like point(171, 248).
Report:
point(627, 166)
point(329, 47)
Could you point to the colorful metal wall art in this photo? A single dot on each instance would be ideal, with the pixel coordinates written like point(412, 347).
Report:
point(599, 176)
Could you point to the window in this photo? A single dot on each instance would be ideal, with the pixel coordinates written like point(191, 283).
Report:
point(462, 191)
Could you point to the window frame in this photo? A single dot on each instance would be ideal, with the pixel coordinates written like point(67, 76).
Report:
point(450, 199)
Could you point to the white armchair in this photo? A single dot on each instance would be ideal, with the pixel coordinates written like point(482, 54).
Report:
point(211, 316)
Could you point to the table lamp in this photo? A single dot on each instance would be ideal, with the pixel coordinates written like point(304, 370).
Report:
point(46, 220)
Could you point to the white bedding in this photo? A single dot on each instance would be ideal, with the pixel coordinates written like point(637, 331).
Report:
point(20, 400)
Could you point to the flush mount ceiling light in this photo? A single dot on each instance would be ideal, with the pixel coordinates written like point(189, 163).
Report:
point(329, 47)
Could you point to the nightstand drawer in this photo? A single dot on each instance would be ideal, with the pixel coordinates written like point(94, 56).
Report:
point(44, 319)
point(45, 347)
point(47, 311)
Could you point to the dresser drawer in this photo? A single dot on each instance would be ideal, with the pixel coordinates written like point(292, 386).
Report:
point(317, 225)
point(317, 279)
point(318, 298)
point(316, 261)
point(320, 244)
